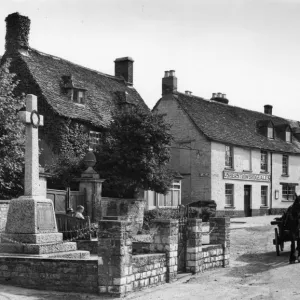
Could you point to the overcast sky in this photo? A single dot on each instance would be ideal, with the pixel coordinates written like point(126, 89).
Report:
point(247, 49)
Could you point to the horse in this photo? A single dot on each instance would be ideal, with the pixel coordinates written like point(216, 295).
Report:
point(291, 223)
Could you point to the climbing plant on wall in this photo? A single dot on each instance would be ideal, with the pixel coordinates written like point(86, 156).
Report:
point(11, 137)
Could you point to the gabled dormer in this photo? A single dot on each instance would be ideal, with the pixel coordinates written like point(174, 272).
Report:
point(296, 132)
point(284, 132)
point(75, 92)
point(265, 128)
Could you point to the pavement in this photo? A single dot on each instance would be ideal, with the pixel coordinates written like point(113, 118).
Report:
point(241, 223)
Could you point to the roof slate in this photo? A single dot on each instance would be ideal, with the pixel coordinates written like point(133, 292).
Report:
point(234, 125)
point(101, 89)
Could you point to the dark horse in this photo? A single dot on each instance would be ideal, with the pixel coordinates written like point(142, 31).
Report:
point(291, 223)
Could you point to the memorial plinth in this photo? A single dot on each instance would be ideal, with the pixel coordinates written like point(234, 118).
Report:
point(31, 224)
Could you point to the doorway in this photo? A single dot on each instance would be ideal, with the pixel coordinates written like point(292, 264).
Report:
point(247, 200)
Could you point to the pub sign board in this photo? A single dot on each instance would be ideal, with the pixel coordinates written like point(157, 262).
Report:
point(246, 176)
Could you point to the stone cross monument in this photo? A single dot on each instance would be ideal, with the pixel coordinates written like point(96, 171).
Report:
point(31, 224)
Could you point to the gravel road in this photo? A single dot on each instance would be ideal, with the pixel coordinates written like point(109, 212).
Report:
point(255, 272)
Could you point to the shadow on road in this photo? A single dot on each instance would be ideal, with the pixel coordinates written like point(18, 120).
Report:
point(259, 263)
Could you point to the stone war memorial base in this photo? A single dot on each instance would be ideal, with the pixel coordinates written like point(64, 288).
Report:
point(31, 229)
point(114, 269)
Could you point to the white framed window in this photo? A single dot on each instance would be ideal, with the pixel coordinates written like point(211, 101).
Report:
point(264, 195)
point(94, 139)
point(264, 161)
point(270, 132)
point(285, 165)
point(229, 194)
point(288, 135)
point(228, 157)
point(288, 191)
point(78, 96)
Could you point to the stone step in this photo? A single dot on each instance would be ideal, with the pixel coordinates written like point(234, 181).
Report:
point(37, 248)
point(78, 254)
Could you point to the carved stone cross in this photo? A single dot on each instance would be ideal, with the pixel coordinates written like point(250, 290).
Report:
point(33, 120)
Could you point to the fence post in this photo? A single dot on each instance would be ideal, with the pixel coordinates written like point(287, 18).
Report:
point(165, 239)
point(114, 258)
point(194, 259)
point(221, 235)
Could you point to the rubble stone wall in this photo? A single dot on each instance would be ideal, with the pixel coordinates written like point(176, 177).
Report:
point(4, 205)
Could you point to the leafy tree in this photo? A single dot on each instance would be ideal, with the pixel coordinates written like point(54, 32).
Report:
point(134, 154)
point(11, 137)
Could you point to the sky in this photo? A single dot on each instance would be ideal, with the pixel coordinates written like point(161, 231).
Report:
point(246, 49)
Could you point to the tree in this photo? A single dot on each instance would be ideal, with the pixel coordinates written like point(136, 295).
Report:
point(11, 137)
point(134, 154)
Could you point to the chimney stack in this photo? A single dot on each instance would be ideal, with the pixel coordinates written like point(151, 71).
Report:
point(169, 83)
point(219, 97)
point(17, 32)
point(268, 109)
point(124, 69)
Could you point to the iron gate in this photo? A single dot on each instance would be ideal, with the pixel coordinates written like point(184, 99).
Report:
point(182, 238)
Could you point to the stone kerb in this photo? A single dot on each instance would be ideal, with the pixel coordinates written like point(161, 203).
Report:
point(194, 257)
point(114, 258)
point(221, 235)
point(165, 239)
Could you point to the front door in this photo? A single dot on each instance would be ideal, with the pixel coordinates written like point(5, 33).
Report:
point(247, 200)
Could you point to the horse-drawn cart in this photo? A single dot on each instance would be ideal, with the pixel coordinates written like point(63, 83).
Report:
point(281, 235)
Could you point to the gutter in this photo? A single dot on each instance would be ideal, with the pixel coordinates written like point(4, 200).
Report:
point(271, 185)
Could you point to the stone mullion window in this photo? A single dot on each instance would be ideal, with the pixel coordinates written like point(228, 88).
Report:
point(285, 165)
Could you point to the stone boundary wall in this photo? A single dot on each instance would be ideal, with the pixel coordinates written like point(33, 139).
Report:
point(86, 245)
point(214, 257)
point(4, 205)
point(130, 210)
point(50, 274)
point(148, 270)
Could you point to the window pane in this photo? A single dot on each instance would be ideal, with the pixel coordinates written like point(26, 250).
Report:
point(288, 136)
point(161, 199)
point(264, 195)
point(176, 198)
point(285, 164)
point(228, 156)
point(288, 192)
point(229, 194)
point(168, 198)
point(270, 132)
point(151, 198)
point(264, 161)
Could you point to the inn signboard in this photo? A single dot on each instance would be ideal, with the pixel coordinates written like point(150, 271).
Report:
point(246, 176)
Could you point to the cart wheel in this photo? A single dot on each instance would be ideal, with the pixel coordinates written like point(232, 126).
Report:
point(277, 242)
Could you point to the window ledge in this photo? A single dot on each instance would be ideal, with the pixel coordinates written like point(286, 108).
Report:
point(247, 171)
point(79, 104)
point(229, 169)
point(285, 175)
point(264, 172)
point(287, 200)
point(264, 206)
point(229, 206)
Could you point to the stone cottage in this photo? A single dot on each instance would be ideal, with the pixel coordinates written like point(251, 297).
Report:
point(247, 161)
point(67, 93)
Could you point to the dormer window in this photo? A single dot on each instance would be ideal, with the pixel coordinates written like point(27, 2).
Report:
point(270, 132)
point(78, 96)
point(288, 135)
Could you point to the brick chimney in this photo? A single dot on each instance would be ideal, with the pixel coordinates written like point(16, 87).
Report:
point(268, 109)
point(169, 83)
point(17, 32)
point(124, 68)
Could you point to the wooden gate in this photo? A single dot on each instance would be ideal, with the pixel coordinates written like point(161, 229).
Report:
point(63, 199)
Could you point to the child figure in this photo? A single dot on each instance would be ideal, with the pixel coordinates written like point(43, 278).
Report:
point(79, 211)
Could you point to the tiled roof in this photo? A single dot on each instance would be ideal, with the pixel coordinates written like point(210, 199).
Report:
point(102, 90)
point(234, 125)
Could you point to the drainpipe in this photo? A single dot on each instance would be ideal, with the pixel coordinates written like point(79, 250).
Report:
point(271, 178)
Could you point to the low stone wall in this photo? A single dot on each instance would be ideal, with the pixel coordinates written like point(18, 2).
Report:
point(4, 205)
point(130, 210)
point(50, 274)
point(213, 257)
point(91, 246)
point(148, 270)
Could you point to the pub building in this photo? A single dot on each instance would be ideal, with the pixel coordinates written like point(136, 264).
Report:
point(246, 161)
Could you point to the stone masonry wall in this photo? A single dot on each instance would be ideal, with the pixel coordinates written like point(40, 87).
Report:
point(149, 270)
point(131, 210)
point(50, 274)
point(213, 257)
point(4, 205)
